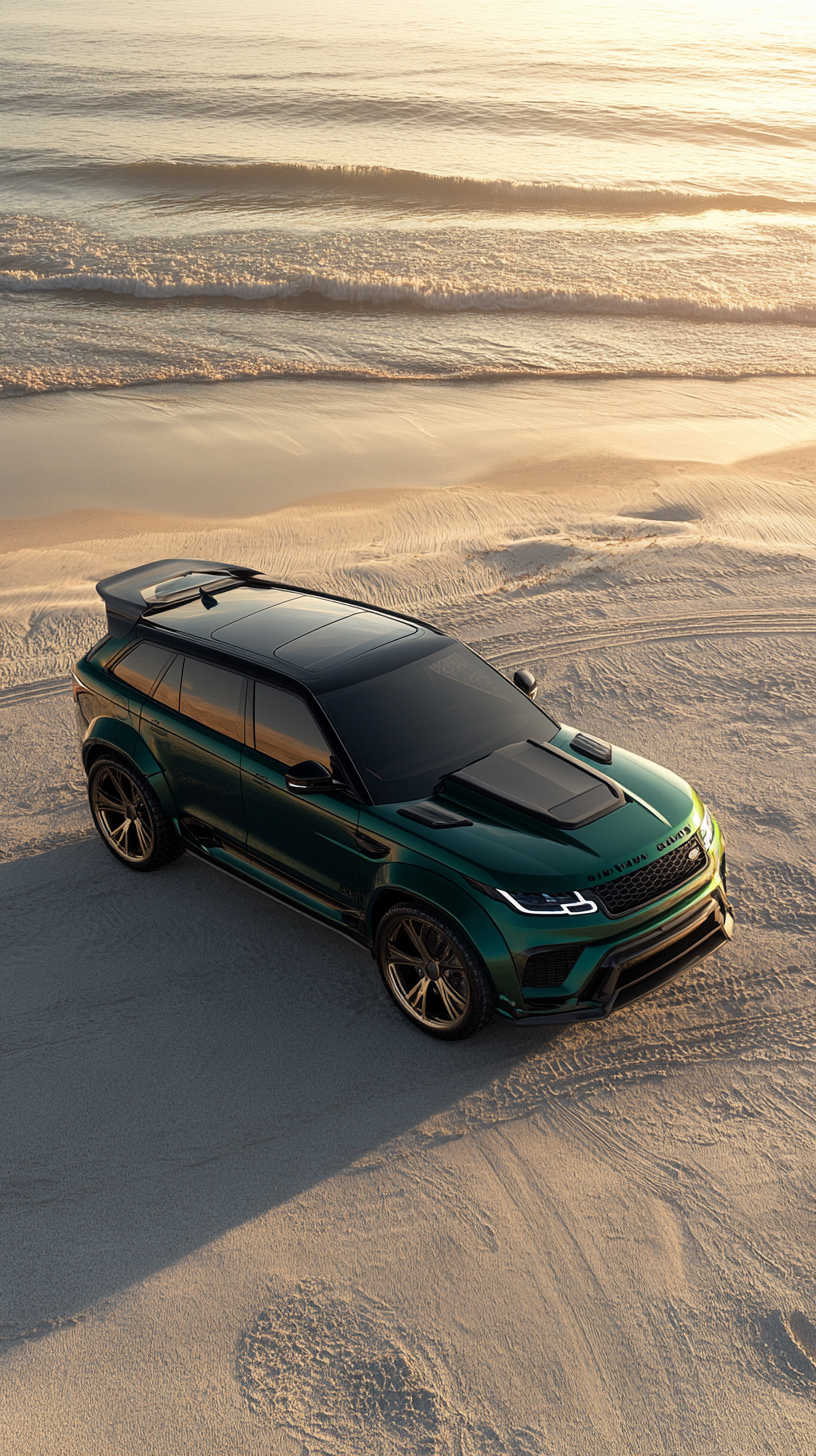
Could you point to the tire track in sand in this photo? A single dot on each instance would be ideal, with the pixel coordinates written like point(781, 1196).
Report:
point(577, 1061)
point(625, 634)
point(34, 692)
point(642, 630)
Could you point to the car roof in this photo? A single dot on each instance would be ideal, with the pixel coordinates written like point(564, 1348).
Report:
point(318, 640)
point(321, 640)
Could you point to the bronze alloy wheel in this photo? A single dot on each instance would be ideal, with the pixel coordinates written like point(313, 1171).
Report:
point(432, 974)
point(122, 814)
point(129, 817)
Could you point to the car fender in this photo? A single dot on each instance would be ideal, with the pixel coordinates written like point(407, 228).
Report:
point(122, 738)
point(452, 901)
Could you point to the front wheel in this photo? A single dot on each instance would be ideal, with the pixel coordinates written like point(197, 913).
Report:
point(432, 973)
point(129, 817)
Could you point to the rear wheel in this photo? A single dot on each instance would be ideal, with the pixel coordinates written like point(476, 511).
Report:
point(432, 973)
point(131, 822)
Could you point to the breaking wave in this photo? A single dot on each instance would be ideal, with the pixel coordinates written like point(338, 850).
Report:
point(400, 292)
point(289, 181)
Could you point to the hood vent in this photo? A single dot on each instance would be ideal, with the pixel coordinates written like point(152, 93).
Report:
point(541, 780)
point(592, 748)
point(434, 816)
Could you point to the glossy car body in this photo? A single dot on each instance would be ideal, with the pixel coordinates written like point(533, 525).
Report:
point(581, 875)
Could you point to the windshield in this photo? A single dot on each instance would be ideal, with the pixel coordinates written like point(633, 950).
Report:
point(411, 727)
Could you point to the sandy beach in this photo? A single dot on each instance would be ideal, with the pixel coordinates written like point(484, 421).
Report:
point(250, 1209)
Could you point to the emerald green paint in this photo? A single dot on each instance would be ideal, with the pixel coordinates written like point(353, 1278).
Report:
point(344, 859)
point(310, 839)
point(202, 769)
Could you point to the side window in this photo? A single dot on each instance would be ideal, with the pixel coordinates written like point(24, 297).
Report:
point(168, 687)
point(285, 729)
point(213, 696)
point(142, 665)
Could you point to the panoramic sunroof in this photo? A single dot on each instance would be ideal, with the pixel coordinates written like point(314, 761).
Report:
point(305, 631)
point(340, 641)
point(263, 632)
point(198, 620)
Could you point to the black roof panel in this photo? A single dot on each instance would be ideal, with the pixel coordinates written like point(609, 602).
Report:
point(265, 631)
point(240, 612)
point(291, 629)
point(340, 642)
point(195, 619)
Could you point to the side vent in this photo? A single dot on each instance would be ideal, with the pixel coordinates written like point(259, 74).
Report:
point(592, 748)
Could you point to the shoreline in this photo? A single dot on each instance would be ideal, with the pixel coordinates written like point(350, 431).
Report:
point(219, 452)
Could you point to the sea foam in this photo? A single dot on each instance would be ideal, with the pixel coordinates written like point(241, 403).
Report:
point(409, 292)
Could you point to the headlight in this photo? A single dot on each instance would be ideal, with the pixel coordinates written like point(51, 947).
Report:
point(572, 902)
point(707, 830)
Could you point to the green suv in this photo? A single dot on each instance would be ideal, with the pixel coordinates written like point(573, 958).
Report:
point(374, 773)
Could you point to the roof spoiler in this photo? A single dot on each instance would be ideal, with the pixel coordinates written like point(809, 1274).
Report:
point(124, 594)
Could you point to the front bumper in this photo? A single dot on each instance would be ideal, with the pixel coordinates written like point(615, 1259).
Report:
point(639, 966)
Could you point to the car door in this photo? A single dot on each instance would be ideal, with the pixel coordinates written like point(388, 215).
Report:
point(307, 842)
point(194, 726)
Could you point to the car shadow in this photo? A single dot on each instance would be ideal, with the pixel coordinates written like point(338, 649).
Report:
point(182, 1055)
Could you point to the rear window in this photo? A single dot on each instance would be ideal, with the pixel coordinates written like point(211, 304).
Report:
point(285, 728)
point(213, 696)
point(142, 665)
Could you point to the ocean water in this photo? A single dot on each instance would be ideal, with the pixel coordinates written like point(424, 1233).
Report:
point(213, 192)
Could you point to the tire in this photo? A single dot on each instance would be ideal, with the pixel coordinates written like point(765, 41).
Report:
point(129, 819)
point(456, 998)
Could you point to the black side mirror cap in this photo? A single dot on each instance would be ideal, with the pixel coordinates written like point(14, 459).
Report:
point(525, 680)
point(310, 778)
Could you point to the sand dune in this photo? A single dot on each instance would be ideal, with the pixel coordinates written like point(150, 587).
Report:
point(250, 1210)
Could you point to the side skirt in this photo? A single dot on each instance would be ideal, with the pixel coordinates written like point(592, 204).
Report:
point(245, 878)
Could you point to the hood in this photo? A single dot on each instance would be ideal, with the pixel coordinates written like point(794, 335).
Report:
point(512, 847)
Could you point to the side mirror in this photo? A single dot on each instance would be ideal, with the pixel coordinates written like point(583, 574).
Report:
point(525, 680)
point(310, 778)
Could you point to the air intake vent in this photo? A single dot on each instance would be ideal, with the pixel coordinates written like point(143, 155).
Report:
point(620, 897)
point(592, 748)
point(550, 967)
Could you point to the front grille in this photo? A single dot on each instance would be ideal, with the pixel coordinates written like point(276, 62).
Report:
point(547, 968)
point(619, 897)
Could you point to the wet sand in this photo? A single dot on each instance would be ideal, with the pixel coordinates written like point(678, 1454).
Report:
point(235, 450)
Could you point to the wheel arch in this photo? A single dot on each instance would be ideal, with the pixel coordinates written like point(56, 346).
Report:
point(429, 890)
point(386, 899)
point(110, 736)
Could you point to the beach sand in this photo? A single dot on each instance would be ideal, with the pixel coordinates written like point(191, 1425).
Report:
point(251, 1210)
